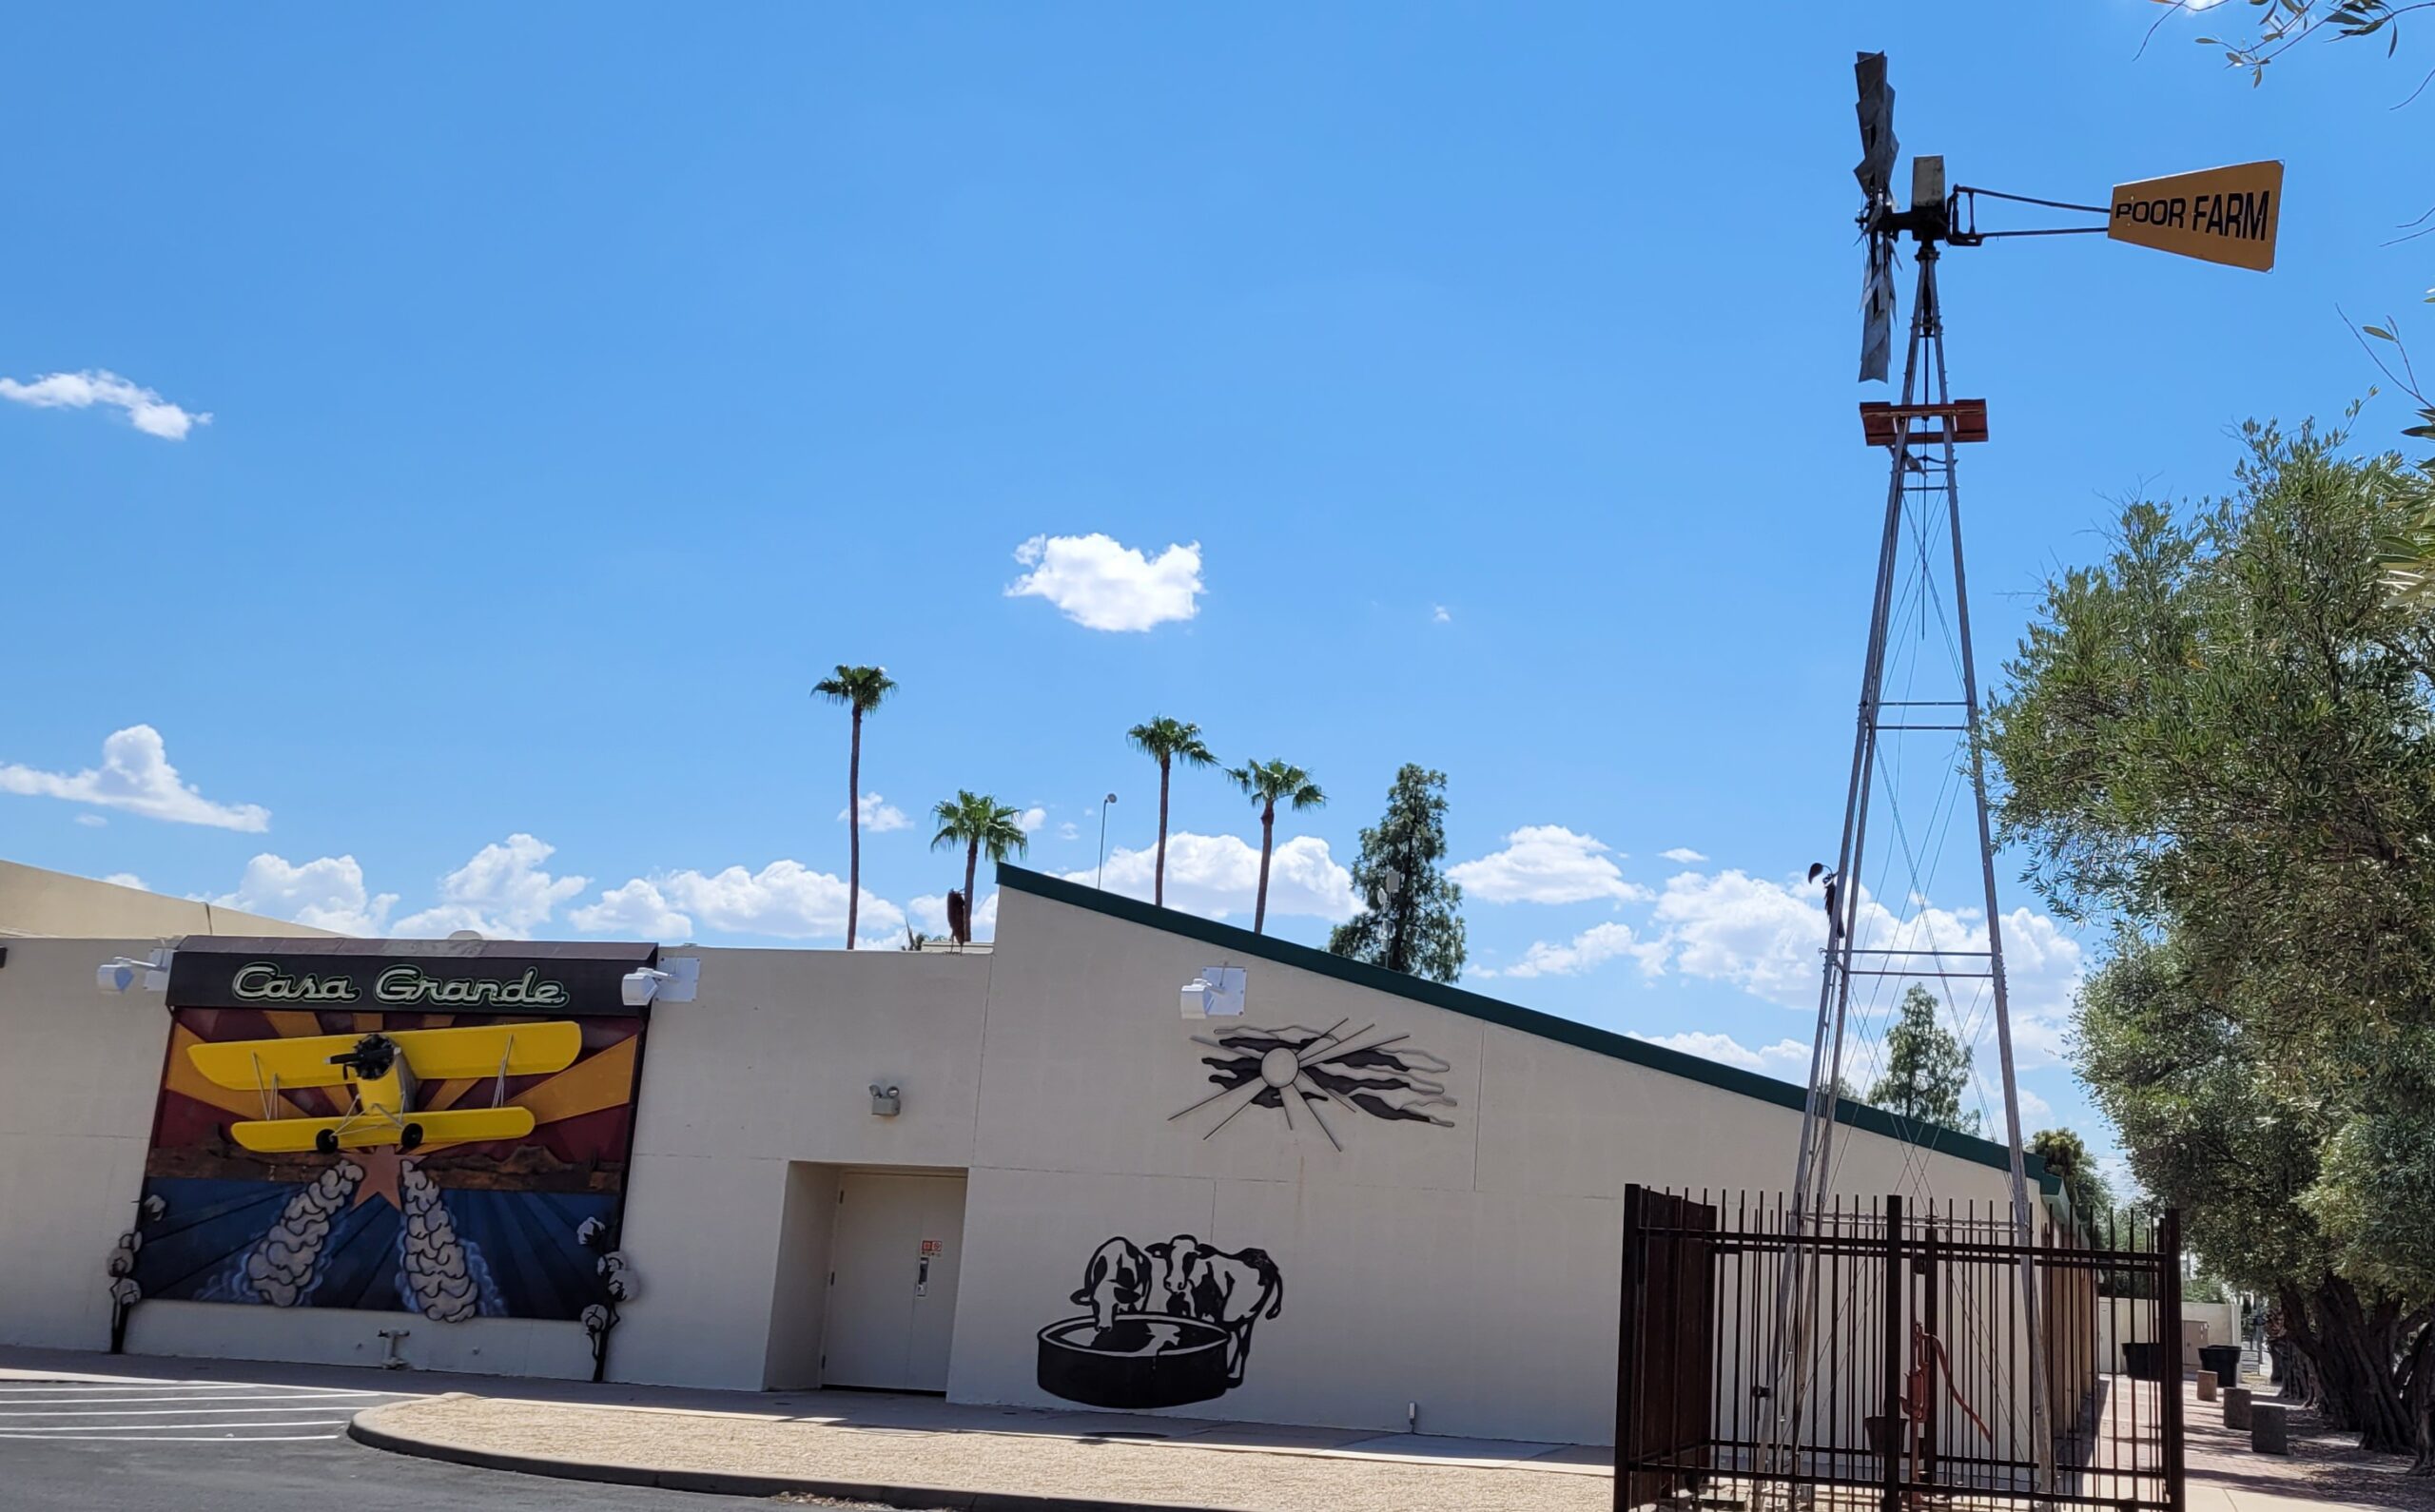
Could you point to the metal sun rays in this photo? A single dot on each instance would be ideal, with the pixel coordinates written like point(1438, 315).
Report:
point(1278, 1068)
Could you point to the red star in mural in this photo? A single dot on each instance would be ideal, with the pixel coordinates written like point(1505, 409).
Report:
point(380, 1176)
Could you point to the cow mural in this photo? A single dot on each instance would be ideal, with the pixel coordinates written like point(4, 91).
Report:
point(1169, 1322)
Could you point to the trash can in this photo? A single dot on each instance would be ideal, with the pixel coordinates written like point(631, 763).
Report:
point(2145, 1361)
point(2224, 1360)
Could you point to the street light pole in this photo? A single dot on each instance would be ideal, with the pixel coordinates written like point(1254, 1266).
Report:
point(1105, 804)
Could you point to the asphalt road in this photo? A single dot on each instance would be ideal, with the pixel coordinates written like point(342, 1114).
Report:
point(235, 1447)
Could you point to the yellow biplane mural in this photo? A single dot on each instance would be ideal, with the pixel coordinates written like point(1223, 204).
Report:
point(382, 1071)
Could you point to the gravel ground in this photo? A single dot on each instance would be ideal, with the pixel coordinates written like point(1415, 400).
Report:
point(1151, 1474)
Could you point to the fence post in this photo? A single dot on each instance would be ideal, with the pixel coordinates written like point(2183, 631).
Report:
point(2168, 1332)
point(1897, 1289)
point(1635, 1271)
point(1932, 1318)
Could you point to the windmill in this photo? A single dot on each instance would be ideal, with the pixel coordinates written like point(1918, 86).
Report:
point(2222, 215)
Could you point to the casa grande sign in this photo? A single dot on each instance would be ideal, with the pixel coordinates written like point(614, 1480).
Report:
point(2219, 215)
point(402, 985)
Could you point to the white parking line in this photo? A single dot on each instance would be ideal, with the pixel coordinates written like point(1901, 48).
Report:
point(105, 1406)
point(191, 1411)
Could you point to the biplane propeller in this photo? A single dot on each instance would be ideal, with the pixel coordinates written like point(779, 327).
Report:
point(384, 1070)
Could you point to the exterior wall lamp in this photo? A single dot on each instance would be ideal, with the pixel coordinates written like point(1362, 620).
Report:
point(887, 1102)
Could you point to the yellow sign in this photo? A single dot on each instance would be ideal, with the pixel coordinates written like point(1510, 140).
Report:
point(2222, 215)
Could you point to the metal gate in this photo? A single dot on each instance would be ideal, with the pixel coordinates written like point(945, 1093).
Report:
point(1912, 1387)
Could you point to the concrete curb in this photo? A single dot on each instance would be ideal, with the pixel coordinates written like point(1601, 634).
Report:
point(364, 1428)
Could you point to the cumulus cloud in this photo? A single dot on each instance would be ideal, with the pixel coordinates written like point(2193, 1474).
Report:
point(635, 909)
point(324, 893)
point(1103, 585)
point(503, 892)
point(127, 878)
point(785, 899)
point(1593, 948)
point(1683, 855)
point(135, 775)
point(149, 412)
point(1218, 876)
point(1546, 863)
point(1068, 830)
point(1031, 818)
point(1766, 938)
point(929, 914)
point(1437, 615)
point(1785, 1056)
point(878, 816)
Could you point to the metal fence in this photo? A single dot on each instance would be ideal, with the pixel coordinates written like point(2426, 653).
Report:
point(1903, 1380)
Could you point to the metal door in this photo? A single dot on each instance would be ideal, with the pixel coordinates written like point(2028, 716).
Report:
point(893, 1259)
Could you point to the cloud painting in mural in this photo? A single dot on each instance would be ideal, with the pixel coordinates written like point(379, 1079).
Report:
point(1169, 1323)
point(1283, 1068)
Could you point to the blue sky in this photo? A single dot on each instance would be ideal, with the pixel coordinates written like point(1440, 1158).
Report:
point(1464, 385)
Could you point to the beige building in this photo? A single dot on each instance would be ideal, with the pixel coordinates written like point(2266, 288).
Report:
point(1129, 1158)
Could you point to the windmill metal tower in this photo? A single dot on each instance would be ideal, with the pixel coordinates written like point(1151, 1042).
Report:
point(1869, 944)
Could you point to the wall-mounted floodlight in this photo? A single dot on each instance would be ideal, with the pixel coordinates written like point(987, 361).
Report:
point(1216, 993)
point(670, 981)
point(123, 973)
point(887, 1101)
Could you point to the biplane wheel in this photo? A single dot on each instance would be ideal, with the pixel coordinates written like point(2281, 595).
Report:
point(410, 1136)
point(326, 1141)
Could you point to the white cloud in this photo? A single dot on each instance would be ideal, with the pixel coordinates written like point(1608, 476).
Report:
point(785, 899)
point(930, 916)
point(1733, 927)
point(1437, 615)
point(135, 775)
point(127, 878)
point(1104, 586)
point(636, 910)
point(1218, 876)
point(1546, 863)
point(92, 820)
point(1593, 946)
point(1766, 938)
point(878, 816)
point(1031, 818)
point(503, 892)
point(1783, 1056)
point(149, 413)
point(1068, 831)
point(1682, 855)
point(325, 893)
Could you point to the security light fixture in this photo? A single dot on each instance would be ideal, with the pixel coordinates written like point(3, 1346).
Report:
point(887, 1101)
point(1216, 993)
point(123, 973)
point(670, 981)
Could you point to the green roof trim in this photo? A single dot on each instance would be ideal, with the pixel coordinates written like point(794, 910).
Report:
point(1513, 1015)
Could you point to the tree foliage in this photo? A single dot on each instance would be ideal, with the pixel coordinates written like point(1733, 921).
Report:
point(978, 823)
point(1167, 741)
point(1267, 784)
point(2067, 1156)
point(2220, 740)
point(1927, 1067)
point(1415, 920)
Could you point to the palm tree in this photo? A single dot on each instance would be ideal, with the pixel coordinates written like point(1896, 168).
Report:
point(1269, 784)
point(978, 821)
point(859, 689)
point(1167, 741)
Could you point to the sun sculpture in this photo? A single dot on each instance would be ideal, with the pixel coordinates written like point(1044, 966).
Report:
point(1293, 1068)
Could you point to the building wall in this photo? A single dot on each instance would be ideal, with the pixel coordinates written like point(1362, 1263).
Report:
point(1465, 1274)
point(1470, 1271)
point(35, 901)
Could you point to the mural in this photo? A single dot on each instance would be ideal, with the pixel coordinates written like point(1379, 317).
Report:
point(1169, 1323)
point(1296, 1069)
point(450, 1165)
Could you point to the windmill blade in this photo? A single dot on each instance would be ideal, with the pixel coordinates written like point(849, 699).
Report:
point(1878, 145)
point(1877, 310)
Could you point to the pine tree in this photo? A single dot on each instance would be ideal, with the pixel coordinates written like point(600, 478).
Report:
point(1926, 1067)
point(1415, 922)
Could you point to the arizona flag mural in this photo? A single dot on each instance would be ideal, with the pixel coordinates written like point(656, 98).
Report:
point(314, 1147)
